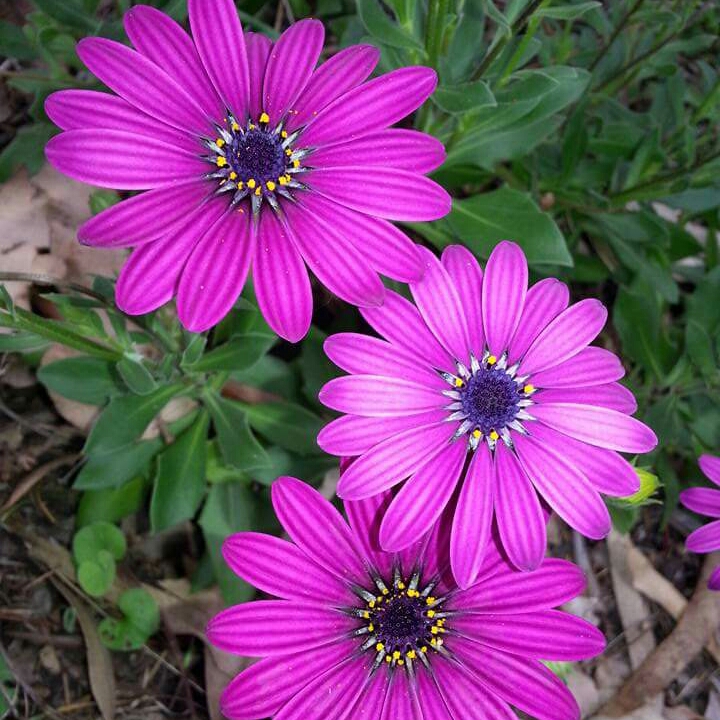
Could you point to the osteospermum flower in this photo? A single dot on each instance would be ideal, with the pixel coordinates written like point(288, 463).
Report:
point(705, 501)
point(482, 365)
point(362, 633)
point(250, 156)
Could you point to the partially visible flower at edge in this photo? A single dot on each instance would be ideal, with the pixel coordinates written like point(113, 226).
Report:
point(490, 387)
point(362, 633)
point(249, 156)
point(705, 501)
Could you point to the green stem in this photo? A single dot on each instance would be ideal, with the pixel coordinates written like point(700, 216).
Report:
point(435, 30)
point(711, 243)
point(618, 29)
point(533, 26)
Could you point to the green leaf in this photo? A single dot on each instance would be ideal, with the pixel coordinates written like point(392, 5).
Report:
point(194, 349)
point(136, 376)
point(286, 424)
point(26, 149)
point(464, 97)
point(649, 485)
point(481, 221)
point(96, 576)
point(239, 353)
point(180, 481)
point(21, 342)
point(114, 468)
point(315, 366)
point(91, 539)
point(69, 13)
point(103, 199)
point(238, 445)
point(566, 12)
point(111, 504)
point(380, 26)
point(84, 379)
point(14, 43)
point(141, 618)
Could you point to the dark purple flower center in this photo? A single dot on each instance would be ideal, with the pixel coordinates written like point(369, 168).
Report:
point(257, 154)
point(490, 399)
point(402, 622)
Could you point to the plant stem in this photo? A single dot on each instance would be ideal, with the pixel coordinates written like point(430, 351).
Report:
point(618, 29)
point(435, 29)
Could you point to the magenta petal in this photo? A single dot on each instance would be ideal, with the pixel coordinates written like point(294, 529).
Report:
point(472, 519)
point(262, 689)
point(372, 106)
point(143, 217)
point(280, 568)
point(714, 580)
point(302, 510)
point(369, 705)
point(298, 49)
point(461, 691)
point(120, 160)
point(705, 501)
point(503, 295)
point(365, 517)
point(423, 497)
point(377, 396)
point(465, 272)
point(430, 699)
point(149, 278)
point(363, 354)
point(160, 39)
point(564, 488)
point(342, 72)
point(565, 336)
point(400, 322)
point(84, 109)
point(611, 395)
point(215, 273)
point(393, 460)
point(393, 148)
point(142, 83)
point(439, 304)
point(517, 508)
point(544, 301)
point(401, 702)
point(591, 366)
point(383, 192)
point(555, 582)
point(353, 435)
point(276, 627)
point(524, 683)
point(220, 43)
point(705, 539)
point(710, 465)
point(597, 426)
point(258, 50)
point(282, 285)
point(333, 257)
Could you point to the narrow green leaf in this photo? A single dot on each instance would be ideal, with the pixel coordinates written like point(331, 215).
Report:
point(567, 12)
point(286, 424)
point(136, 376)
point(379, 24)
point(84, 379)
point(239, 353)
point(464, 97)
point(115, 468)
point(111, 504)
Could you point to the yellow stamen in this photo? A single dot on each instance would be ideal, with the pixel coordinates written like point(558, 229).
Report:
point(219, 142)
point(251, 126)
point(221, 161)
point(494, 435)
point(235, 127)
point(283, 134)
point(265, 118)
point(233, 175)
point(388, 659)
point(251, 183)
point(430, 600)
point(288, 152)
point(412, 655)
point(431, 613)
point(396, 655)
point(401, 585)
point(270, 185)
point(459, 382)
point(258, 190)
point(371, 627)
point(283, 180)
point(477, 434)
point(379, 647)
point(529, 389)
point(424, 649)
point(492, 360)
point(296, 163)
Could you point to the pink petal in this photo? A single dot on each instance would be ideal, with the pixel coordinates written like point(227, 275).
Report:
point(423, 497)
point(430, 699)
point(282, 285)
point(263, 688)
point(565, 336)
point(160, 39)
point(714, 580)
point(297, 48)
point(466, 275)
point(342, 72)
point(215, 273)
point(473, 519)
point(280, 568)
point(276, 627)
point(393, 460)
point(597, 426)
point(333, 257)
point(517, 508)
point(401, 702)
point(258, 50)
point(144, 217)
point(220, 43)
point(383, 192)
point(591, 366)
point(142, 83)
point(377, 396)
point(611, 395)
point(120, 160)
point(705, 501)
point(554, 583)
point(365, 517)
point(503, 295)
point(710, 465)
point(564, 488)
point(149, 277)
point(369, 705)
point(302, 510)
point(84, 109)
point(354, 435)
point(393, 148)
point(400, 322)
point(705, 539)
point(439, 304)
point(543, 302)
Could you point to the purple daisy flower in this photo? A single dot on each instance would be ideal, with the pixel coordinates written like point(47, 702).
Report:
point(483, 364)
point(705, 501)
point(362, 633)
point(250, 155)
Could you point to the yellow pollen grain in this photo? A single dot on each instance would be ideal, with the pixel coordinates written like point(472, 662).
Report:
point(288, 152)
point(396, 655)
point(379, 647)
point(401, 662)
point(264, 118)
point(251, 126)
point(366, 615)
point(412, 655)
point(371, 604)
point(388, 659)
point(494, 435)
point(424, 649)
point(219, 142)
point(371, 627)
point(258, 191)
point(235, 127)
point(528, 389)
point(477, 434)
point(241, 185)
point(296, 163)
point(430, 600)
point(221, 161)
point(492, 360)
point(385, 591)
point(283, 134)
point(401, 586)
point(431, 613)
point(251, 183)
point(458, 382)
point(270, 185)
point(233, 175)
point(283, 180)
point(434, 629)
